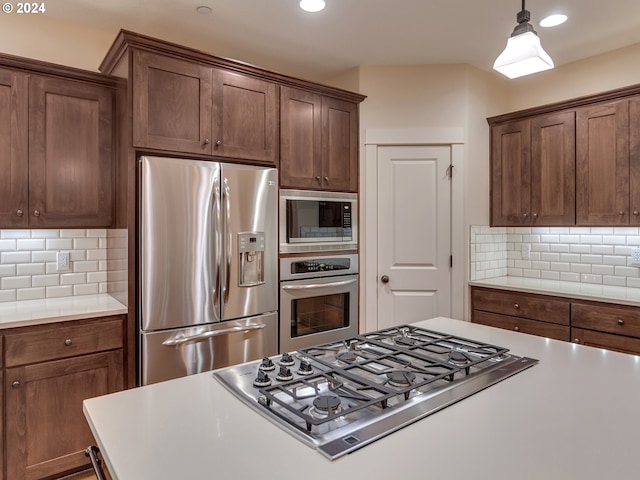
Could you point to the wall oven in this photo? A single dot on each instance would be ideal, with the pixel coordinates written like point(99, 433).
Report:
point(318, 300)
point(312, 221)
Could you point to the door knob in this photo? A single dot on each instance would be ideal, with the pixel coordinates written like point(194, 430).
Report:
point(384, 278)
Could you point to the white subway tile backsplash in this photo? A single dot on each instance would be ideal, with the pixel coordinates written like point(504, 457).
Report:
point(578, 254)
point(28, 262)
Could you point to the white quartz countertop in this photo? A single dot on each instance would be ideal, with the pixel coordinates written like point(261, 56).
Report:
point(34, 312)
point(572, 416)
point(580, 290)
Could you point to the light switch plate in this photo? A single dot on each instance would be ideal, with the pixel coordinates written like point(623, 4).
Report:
point(635, 256)
point(526, 251)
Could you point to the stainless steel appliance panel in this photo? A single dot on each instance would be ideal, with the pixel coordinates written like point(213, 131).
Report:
point(179, 242)
point(185, 351)
point(292, 336)
point(250, 211)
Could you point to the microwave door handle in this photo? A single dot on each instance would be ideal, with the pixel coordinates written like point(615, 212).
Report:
point(319, 285)
point(201, 337)
point(227, 231)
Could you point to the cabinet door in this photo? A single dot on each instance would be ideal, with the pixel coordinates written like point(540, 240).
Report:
point(340, 145)
point(300, 138)
point(634, 160)
point(171, 104)
point(46, 432)
point(14, 159)
point(553, 177)
point(245, 117)
point(602, 164)
point(511, 173)
point(71, 153)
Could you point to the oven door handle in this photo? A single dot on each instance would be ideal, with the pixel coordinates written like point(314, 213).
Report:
point(201, 337)
point(319, 285)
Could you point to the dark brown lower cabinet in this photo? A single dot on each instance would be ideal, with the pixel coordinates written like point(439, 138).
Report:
point(596, 324)
point(45, 430)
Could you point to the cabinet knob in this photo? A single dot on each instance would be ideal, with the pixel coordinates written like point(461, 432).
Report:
point(525, 215)
point(576, 340)
point(516, 328)
point(318, 178)
point(68, 342)
point(535, 215)
point(19, 213)
point(15, 384)
point(326, 179)
point(516, 306)
point(207, 141)
point(621, 213)
point(218, 143)
point(636, 213)
point(36, 213)
point(620, 322)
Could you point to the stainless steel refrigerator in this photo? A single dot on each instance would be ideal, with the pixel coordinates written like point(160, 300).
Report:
point(208, 281)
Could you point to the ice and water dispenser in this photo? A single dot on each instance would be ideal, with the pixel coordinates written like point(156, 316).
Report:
point(251, 251)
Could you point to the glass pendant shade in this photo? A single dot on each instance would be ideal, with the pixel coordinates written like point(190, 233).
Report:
point(522, 56)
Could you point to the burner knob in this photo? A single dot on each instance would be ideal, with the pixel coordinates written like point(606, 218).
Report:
point(284, 374)
point(305, 368)
point(262, 380)
point(286, 359)
point(267, 364)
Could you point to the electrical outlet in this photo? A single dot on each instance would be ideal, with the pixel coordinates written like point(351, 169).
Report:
point(635, 256)
point(63, 261)
point(525, 251)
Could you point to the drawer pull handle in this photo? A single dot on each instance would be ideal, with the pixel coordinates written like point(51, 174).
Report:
point(15, 384)
point(516, 306)
point(620, 321)
point(67, 342)
point(516, 328)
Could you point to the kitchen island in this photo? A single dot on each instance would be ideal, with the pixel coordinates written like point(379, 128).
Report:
point(572, 416)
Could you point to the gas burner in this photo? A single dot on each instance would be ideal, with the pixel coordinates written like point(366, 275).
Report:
point(262, 380)
point(325, 405)
point(401, 378)
point(284, 374)
point(305, 368)
point(458, 358)
point(287, 360)
point(347, 357)
point(267, 365)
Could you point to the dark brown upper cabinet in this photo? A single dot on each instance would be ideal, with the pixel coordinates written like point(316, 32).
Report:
point(57, 146)
point(533, 171)
point(184, 106)
point(318, 141)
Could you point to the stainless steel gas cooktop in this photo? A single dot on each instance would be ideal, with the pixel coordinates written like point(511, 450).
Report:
point(338, 397)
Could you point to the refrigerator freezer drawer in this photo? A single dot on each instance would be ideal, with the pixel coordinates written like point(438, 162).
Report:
point(175, 353)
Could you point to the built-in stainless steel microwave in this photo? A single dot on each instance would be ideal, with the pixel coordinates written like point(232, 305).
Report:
point(313, 221)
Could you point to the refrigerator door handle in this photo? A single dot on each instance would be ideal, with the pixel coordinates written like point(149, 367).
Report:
point(201, 337)
point(218, 242)
point(227, 230)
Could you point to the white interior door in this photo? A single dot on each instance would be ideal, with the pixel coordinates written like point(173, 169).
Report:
point(414, 233)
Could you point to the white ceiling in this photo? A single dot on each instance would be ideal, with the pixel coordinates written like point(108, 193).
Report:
point(277, 35)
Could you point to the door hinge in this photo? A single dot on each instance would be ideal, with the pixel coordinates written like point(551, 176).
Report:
point(450, 260)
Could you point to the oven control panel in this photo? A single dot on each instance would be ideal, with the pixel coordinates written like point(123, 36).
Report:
point(321, 265)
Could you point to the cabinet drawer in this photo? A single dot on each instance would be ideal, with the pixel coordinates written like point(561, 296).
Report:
point(619, 343)
point(62, 341)
point(523, 325)
point(611, 319)
point(523, 305)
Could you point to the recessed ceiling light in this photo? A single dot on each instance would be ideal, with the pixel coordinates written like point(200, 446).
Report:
point(204, 10)
point(553, 20)
point(312, 5)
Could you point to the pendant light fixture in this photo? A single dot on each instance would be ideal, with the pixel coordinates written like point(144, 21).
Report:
point(524, 54)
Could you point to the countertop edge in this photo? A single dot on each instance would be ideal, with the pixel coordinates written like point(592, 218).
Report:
point(40, 312)
point(557, 288)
